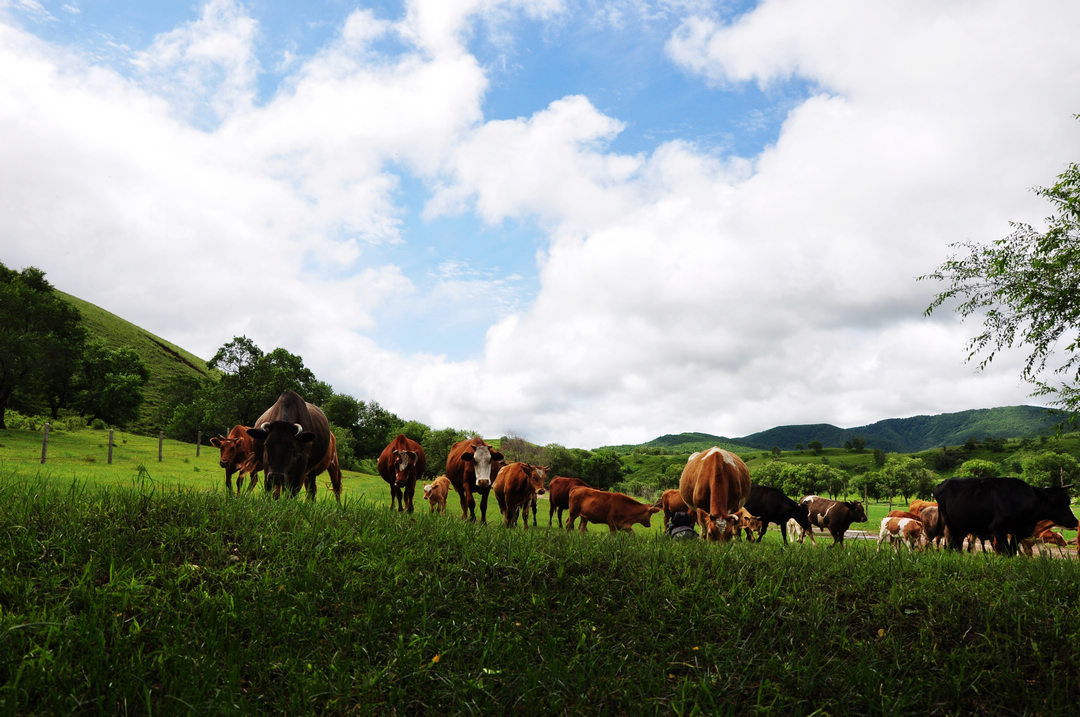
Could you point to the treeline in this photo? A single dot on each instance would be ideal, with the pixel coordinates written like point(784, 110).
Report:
point(49, 363)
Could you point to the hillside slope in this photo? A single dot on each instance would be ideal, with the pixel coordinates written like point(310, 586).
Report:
point(163, 359)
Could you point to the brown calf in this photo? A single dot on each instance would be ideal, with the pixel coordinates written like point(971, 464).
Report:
point(617, 510)
point(435, 493)
point(515, 487)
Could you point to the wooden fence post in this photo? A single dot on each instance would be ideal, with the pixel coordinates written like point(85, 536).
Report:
point(160, 437)
point(110, 445)
point(45, 443)
point(198, 442)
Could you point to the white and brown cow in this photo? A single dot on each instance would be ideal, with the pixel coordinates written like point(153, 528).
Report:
point(908, 531)
point(835, 516)
point(401, 463)
point(715, 483)
point(435, 493)
point(471, 467)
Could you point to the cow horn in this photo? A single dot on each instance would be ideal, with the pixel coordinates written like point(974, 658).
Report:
point(264, 427)
point(299, 428)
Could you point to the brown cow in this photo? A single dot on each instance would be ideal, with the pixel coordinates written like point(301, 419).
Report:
point(671, 503)
point(901, 530)
point(902, 514)
point(617, 510)
point(435, 493)
point(559, 489)
point(237, 454)
point(401, 463)
point(293, 443)
point(516, 487)
point(917, 506)
point(471, 467)
point(716, 483)
point(933, 525)
point(1043, 535)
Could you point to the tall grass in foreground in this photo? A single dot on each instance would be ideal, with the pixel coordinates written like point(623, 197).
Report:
point(139, 600)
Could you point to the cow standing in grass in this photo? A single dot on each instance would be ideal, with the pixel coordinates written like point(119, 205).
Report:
point(617, 510)
point(401, 463)
point(516, 487)
point(294, 445)
point(770, 505)
point(559, 489)
point(237, 456)
point(716, 483)
point(471, 467)
point(835, 516)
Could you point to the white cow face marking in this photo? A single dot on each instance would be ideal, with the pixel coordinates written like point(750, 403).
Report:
point(482, 466)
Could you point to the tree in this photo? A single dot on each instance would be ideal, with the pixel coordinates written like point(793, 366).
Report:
point(1026, 288)
point(1049, 469)
point(815, 446)
point(239, 393)
point(978, 468)
point(437, 445)
point(375, 429)
point(602, 469)
point(906, 476)
point(111, 383)
point(41, 340)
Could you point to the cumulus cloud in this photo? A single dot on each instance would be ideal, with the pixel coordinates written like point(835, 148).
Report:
point(679, 289)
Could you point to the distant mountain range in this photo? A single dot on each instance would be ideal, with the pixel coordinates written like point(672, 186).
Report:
point(894, 435)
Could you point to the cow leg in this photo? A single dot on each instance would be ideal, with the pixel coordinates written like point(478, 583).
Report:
point(483, 507)
point(228, 482)
point(335, 478)
point(467, 502)
point(410, 491)
point(254, 481)
point(551, 514)
point(309, 483)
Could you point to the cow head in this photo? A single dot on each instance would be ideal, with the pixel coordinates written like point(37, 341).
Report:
point(427, 490)
point(404, 462)
point(1053, 504)
point(285, 452)
point(537, 476)
point(719, 528)
point(231, 450)
point(858, 513)
point(481, 459)
point(646, 518)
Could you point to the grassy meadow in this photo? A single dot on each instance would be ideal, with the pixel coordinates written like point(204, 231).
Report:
point(128, 590)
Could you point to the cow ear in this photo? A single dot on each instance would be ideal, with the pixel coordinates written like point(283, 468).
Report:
point(466, 457)
point(257, 433)
point(496, 456)
point(305, 437)
point(653, 509)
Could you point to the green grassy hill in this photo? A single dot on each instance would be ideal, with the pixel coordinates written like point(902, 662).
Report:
point(918, 433)
point(163, 359)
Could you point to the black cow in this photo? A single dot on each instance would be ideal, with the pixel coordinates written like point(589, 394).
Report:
point(294, 442)
point(836, 516)
point(772, 506)
point(1005, 509)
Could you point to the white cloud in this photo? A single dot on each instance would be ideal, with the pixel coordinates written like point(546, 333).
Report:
point(679, 290)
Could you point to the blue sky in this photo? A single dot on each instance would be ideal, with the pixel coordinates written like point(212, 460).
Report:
point(584, 222)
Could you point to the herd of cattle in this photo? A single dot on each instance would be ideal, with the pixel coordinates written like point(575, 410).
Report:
point(291, 443)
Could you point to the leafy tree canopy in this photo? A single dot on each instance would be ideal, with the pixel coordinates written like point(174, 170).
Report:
point(1026, 289)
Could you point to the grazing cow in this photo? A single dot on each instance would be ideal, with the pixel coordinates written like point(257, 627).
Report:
point(900, 530)
point(933, 525)
point(617, 510)
point(471, 467)
point(716, 483)
point(516, 487)
point(902, 514)
point(435, 493)
point(834, 515)
point(671, 503)
point(998, 508)
point(799, 532)
point(917, 506)
point(237, 454)
point(746, 521)
point(772, 506)
point(294, 445)
point(559, 489)
point(400, 464)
